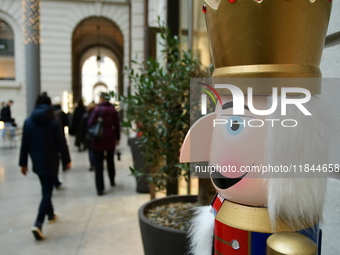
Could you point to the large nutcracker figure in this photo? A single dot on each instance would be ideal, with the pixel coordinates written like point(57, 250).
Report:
point(263, 44)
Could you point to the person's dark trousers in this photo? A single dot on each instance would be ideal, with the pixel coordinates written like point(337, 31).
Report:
point(111, 166)
point(57, 183)
point(98, 167)
point(46, 207)
point(91, 159)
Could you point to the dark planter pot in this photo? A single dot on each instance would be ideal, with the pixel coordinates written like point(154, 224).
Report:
point(139, 164)
point(159, 240)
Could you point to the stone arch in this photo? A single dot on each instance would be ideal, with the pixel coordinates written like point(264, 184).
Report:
point(94, 32)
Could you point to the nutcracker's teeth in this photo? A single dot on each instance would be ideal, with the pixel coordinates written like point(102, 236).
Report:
point(213, 3)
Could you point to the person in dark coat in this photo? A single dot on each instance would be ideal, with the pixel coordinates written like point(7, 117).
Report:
point(75, 129)
point(6, 117)
point(83, 132)
point(107, 144)
point(44, 141)
point(63, 120)
point(59, 114)
point(2, 105)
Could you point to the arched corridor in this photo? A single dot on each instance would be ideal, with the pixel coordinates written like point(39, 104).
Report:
point(99, 74)
point(98, 54)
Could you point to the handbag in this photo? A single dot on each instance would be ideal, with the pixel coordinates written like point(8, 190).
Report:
point(96, 131)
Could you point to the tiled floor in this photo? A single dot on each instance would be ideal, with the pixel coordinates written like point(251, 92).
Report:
point(88, 224)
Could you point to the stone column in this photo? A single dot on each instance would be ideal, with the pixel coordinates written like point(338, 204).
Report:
point(31, 16)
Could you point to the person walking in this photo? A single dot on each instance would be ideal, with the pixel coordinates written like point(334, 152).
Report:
point(75, 129)
point(83, 132)
point(63, 120)
point(107, 144)
point(58, 112)
point(2, 105)
point(6, 117)
point(44, 141)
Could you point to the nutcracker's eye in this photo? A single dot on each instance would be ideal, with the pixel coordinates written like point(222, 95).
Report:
point(235, 125)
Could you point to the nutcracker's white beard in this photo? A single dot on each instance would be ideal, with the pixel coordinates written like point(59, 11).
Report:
point(298, 200)
point(201, 231)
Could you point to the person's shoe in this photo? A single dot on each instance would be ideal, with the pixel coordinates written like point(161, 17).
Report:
point(52, 219)
point(101, 193)
point(38, 235)
point(113, 183)
point(58, 187)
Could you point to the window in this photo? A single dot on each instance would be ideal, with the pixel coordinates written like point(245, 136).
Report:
point(7, 63)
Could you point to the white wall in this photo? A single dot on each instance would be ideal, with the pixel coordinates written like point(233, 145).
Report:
point(137, 33)
point(330, 67)
point(330, 63)
point(157, 8)
point(137, 29)
point(331, 223)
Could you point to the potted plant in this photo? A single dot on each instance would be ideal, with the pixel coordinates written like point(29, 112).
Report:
point(159, 110)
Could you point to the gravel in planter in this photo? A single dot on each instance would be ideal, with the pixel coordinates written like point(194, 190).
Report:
point(173, 215)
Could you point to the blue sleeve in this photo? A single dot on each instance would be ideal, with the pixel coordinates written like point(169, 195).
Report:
point(25, 145)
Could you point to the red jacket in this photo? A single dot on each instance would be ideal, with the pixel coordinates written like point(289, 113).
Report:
point(110, 124)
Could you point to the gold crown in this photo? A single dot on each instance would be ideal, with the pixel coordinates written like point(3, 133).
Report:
point(267, 38)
